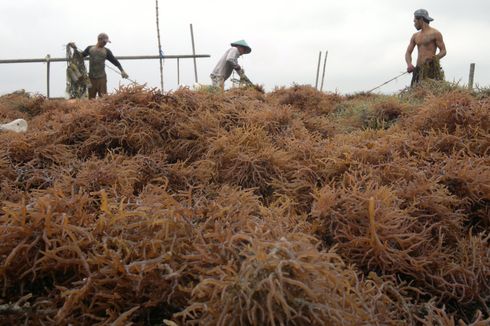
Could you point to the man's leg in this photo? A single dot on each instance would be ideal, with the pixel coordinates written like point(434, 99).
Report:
point(92, 90)
point(103, 87)
point(222, 84)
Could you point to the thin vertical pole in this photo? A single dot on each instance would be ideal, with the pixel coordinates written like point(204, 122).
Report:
point(160, 53)
point(323, 74)
point(472, 76)
point(48, 64)
point(318, 69)
point(178, 71)
point(194, 53)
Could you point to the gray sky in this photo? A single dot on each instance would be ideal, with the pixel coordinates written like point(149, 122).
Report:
point(366, 39)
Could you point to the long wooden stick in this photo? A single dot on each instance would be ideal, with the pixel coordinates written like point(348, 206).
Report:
point(386, 82)
point(159, 47)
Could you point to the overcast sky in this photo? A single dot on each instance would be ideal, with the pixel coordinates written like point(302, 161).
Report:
point(366, 40)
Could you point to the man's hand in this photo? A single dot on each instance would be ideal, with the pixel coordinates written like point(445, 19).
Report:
point(238, 68)
point(124, 74)
point(410, 68)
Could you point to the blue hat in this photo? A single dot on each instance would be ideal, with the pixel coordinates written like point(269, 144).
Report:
point(243, 44)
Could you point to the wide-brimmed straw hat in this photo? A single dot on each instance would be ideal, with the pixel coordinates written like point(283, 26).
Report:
point(243, 44)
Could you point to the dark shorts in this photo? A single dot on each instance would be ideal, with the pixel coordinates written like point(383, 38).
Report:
point(99, 86)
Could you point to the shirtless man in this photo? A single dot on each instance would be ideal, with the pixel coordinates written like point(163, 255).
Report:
point(427, 40)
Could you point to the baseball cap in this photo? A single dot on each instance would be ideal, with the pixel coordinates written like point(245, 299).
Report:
point(103, 36)
point(422, 13)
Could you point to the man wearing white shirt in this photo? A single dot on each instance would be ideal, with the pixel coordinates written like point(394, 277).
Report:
point(228, 63)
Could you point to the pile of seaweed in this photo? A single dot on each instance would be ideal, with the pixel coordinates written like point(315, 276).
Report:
point(293, 207)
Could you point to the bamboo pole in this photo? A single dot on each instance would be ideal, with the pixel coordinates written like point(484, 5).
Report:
point(323, 74)
point(126, 57)
point(178, 71)
point(48, 63)
point(318, 69)
point(194, 52)
point(159, 47)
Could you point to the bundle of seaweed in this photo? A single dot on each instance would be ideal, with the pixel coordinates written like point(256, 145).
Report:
point(86, 268)
point(18, 105)
point(369, 112)
point(370, 229)
point(290, 282)
point(305, 98)
point(245, 158)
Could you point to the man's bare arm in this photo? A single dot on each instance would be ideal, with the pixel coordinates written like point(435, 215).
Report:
point(440, 44)
point(408, 54)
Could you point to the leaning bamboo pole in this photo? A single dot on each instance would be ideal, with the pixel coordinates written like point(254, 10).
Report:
point(323, 74)
point(194, 52)
point(159, 47)
point(318, 69)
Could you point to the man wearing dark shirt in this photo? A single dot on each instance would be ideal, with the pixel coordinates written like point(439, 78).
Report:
point(98, 54)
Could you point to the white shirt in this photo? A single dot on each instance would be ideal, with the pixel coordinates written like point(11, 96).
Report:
point(227, 63)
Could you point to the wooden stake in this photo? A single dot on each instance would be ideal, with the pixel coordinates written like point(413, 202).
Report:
point(472, 76)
